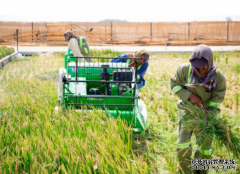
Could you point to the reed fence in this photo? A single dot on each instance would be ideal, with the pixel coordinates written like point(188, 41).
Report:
point(123, 33)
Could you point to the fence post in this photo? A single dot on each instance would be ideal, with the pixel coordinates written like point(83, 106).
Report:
point(188, 30)
point(17, 38)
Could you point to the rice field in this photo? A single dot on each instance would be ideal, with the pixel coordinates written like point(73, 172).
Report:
point(5, 51)
point(34, 139)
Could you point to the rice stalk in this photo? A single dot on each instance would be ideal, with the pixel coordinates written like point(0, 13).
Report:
point(203, 123)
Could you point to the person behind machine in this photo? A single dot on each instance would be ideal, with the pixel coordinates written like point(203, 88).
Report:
point(78, 45)
point(142, 63)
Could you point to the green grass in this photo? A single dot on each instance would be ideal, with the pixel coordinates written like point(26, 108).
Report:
point(5, 51)
point(105, 53)
point(237, 68)
point(34, 139)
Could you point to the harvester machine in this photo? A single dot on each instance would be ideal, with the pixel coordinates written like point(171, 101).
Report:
point(101, 84)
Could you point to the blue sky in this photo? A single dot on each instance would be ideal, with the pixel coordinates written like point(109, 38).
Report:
point(130, 10)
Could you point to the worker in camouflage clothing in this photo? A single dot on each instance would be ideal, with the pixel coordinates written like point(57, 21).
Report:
point(202, 84)
point(78, 45)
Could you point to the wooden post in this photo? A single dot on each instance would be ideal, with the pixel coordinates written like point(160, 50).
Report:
point(227, 29)
point(188, 30)
point(17, 38)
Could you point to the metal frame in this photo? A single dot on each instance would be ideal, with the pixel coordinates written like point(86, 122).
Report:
point(99, 81)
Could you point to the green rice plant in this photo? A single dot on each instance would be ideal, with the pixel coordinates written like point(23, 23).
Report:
point(105, 53)
point(182, 55)
point(175, 55)
point(49, 75)
point(237, 101)
point(187, 56)
point(170, 109)
point(35, 55)
point(235, 53)
point(237, 68)
point(41, 140)
point(35, 139)
point(61, 54)
point(226, 58)
point(203, 123)
point(5, 51)
point(216, 56)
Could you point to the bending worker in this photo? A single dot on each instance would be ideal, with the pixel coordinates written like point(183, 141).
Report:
point(202, 84)
point(142, 63)
point(78, 45)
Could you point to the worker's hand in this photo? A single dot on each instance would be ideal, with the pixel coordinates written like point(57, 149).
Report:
point(132, 64)
point(195, 100)
point(129, 55)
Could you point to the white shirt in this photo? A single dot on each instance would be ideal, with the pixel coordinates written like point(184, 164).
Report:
point(73, 46)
